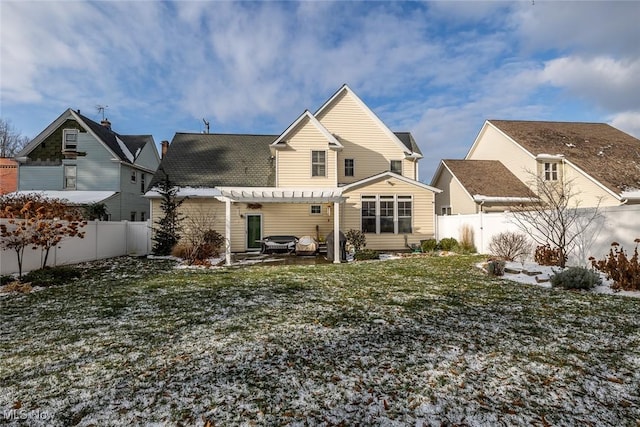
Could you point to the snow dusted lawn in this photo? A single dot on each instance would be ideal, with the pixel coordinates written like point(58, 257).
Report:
point(415, 341)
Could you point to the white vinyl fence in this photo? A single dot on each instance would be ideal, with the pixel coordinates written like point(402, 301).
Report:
point(103, 239)
point(619, 223)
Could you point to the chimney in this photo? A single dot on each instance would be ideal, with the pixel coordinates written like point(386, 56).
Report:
point(165, 147)
point(106, 123)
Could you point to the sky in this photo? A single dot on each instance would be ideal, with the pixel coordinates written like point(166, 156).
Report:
point(436, 69)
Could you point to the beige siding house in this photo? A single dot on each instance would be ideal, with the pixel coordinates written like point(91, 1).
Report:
point(601, 163)
point(338, 169)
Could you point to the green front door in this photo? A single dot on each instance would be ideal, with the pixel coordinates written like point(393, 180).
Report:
point(254, 231)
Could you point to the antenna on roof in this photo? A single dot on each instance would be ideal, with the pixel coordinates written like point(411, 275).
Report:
point(206, 126)
point(101, 109)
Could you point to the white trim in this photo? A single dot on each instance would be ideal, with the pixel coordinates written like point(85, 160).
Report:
point(246, 230)
point(191, 192)
point(282, 195)
point(479, 198)
point(75, 197)
point(311, 212)
point(326, 164)
point(395, 198)
point(593, 180)
point(329, 137)
point(69, 131)
point(369, 112)
point(389, 174)
point(487, 123)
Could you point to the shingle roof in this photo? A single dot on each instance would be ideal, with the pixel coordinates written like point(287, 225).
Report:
point(209, 160)
point(488, 178)
point(407, 139)
point(607, 154)
point(108, 136)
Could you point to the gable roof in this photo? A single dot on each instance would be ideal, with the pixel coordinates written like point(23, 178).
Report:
point(211, 160)
point(333, 142)
point(123, 147)
point(387, 175)
point(488, 178)
point(394, 137)
point(607, 154)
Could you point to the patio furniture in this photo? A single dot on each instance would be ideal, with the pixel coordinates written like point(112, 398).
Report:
point(273, 244)
point(306, 245)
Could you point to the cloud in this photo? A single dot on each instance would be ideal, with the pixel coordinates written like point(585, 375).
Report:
point(592, 28)
point(609, 83)
point(438, 69)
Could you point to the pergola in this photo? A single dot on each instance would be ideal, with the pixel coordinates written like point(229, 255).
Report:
point(230, 195)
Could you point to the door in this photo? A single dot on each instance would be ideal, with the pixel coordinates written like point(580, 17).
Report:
point(254, 231)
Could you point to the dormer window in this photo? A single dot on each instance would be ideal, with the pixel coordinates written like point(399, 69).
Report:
point(550, 171)
point(69, 139)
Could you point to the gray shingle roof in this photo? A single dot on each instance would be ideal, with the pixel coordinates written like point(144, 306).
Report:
point(209, 160)
point(607, 154)
point(108, 136)
point(407, 139)
point(488, 178)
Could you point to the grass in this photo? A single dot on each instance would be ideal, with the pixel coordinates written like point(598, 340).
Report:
point(414, 341)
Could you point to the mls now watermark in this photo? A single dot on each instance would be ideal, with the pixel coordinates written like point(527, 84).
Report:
point(21, 414)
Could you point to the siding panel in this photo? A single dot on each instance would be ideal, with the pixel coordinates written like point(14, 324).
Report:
point(363, 140)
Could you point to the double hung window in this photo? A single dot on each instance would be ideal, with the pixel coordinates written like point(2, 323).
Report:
point(318, 163)
point(387, 214)
point(69, 139)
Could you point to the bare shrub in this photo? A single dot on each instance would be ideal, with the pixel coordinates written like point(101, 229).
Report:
point(510, 246)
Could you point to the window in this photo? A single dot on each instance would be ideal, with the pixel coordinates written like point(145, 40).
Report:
point(316, 209)
point(143, 216)
point(133, 216)
point(349, 167)
point(404, 214)
point(142, 185)
point(550, 171)
point(387, 214)
point(446, 210)
point(396, 166)
point(69, 139)
point(318, 163)
point(369, 214)
point(133, 176)
point(70, 177)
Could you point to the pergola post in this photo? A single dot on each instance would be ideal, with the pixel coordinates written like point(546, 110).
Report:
point(336, 233)
point(227, 230)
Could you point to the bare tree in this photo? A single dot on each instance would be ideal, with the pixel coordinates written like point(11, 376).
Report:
point(555, 217)
point(11, 140)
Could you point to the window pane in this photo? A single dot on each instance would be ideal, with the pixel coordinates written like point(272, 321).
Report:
point(318, 163)
point(348, 167)
point(396, 166)
point(386, 216)
point(316, 209)
point(369, 225)
point(404, 225)
point(369, 215)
